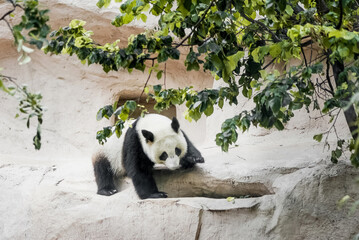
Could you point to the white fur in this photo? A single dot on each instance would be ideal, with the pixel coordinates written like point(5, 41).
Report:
point(165, 139)
point(112, 149)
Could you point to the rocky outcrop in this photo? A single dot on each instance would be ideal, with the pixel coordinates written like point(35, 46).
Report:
point(59, 202)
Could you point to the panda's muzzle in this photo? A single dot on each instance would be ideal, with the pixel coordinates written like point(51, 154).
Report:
point(173, 163)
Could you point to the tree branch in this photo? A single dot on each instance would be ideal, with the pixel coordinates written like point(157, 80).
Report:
point(328, 77)
point(322, 7)
point(340, 15)
point(148, 79)
point(275, 37)
point(305, 58)
point(12, 10)
point(350, 114)
point(8, 13)
point(269, 63)
point(196, 25)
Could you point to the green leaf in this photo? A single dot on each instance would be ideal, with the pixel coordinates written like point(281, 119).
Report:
point(131, 105)
point(143, 17)
point(354, 159)
point(275, 104)
point(159, 74)
point(157, 89)
point(336, 33)
point(174, 53)
point(216, 19)
point(166, 40)
point(75, 23)
point(103, 3)
point(278, 124)
point(233, 60)
point(162, 56)
point(275, 50)
point(230, 64)
point(105, 111)
point(220, 103)
point(343, 51)
point(318, 137)
point(217, 62)
point(209, 110)
point(289, 10)
point(213, 47)
point(192, 66)
point(336, 155)
point(3, 87)
point(255, 55)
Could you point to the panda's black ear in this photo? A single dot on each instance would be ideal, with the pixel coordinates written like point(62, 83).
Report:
point(175, 124)
point(148, 135)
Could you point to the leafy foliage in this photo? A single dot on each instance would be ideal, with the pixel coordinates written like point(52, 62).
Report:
point(237, 41)
point(32, 30)
point(29, 106)
point(121, 114)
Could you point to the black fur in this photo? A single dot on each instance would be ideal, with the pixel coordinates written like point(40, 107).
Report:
point(138, 166)
point(104, 176)
point(148, 135)
point(175, 124)
point(192, 156)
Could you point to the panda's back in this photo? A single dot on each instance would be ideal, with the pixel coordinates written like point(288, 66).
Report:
point(113, 150)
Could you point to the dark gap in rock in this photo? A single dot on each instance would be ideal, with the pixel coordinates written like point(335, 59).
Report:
point(198, 183)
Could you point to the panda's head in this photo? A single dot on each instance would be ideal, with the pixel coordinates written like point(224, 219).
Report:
point(162, 140)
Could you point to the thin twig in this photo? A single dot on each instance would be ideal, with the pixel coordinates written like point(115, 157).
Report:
point(319, 86)
point(148, 79)
point(196, 25)
point(9, 26)
point(323, 115)
point(275, 37)
point(7, 14)
point(341, 13)
point(328, 77)
point(12, 10)
point(164, 79)
point(269, 63)
point(304, 57)
point(332, 126)
point(11, 79)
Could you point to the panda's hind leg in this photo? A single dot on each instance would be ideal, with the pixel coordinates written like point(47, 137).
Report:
point(104, 176)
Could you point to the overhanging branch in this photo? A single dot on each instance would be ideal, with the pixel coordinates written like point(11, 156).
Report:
point(262, 25)
point(196, 25)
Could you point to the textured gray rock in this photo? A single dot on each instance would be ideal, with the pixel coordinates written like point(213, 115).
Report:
point(59, 202)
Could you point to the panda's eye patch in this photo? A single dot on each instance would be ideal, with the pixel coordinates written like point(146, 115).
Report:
point(178, 151)
point(163, 156)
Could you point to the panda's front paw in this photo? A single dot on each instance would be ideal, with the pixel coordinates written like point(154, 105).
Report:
point(158, 195)
point(106, 192)
point(196, 159)
point(199, 159)
point(187, 163)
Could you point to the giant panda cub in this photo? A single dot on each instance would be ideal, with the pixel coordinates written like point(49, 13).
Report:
point(150, 139)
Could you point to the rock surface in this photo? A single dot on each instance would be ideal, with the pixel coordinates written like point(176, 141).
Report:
point(284, 183)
